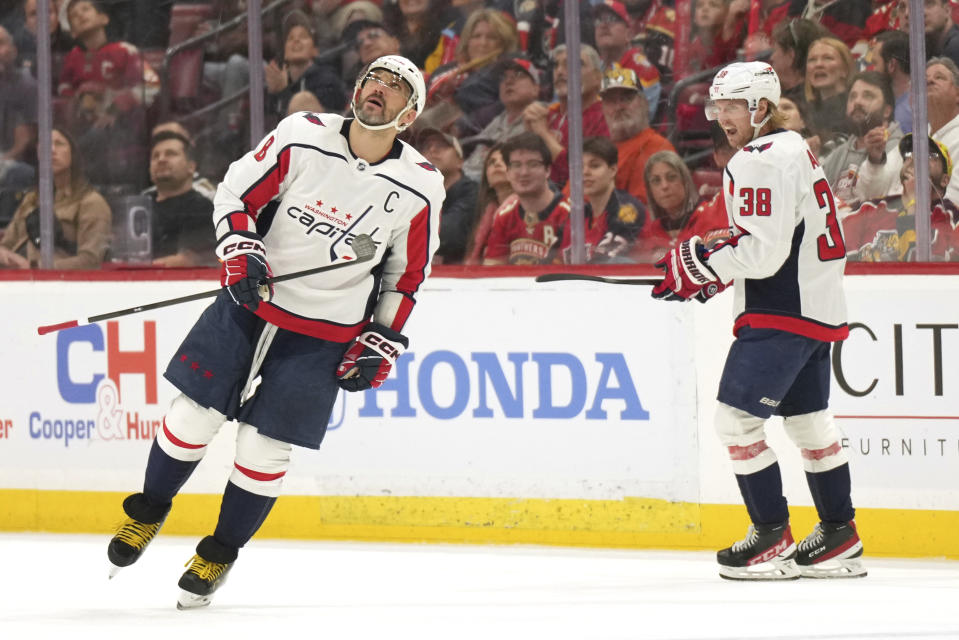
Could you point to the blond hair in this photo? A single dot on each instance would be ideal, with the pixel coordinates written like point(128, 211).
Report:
point(502, 26)
point(839, 47)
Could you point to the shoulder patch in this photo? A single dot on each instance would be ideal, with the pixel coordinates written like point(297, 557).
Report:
point(426, 165)
point(758, 148)
point(315, 119)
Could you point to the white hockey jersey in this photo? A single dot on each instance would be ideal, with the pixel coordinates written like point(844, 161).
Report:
point(786, 254)
point(308, 195)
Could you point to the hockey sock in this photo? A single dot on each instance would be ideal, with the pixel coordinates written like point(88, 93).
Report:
point(165, 475)
point(831, 494)
point(762, 492)
point(241, 514)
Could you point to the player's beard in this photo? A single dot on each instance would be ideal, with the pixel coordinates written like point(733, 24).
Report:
point(374, 119)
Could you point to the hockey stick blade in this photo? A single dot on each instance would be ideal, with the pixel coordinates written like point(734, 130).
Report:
point(561, 277)
point(363, 246)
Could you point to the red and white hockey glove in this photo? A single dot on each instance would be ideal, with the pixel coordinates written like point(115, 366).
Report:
point(244, 269)
point(368, 361)
point(686, 271)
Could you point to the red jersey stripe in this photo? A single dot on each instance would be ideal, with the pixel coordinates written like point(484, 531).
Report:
point(790, 324)
point(269, 185)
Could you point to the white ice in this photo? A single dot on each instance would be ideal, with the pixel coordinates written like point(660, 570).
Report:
point(56, 586)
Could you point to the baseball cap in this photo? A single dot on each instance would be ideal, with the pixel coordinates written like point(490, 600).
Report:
point(612, 5)
point(354, 29)
point(519, 62)
point(620, 78)
point(431, 132)
point(935, 148)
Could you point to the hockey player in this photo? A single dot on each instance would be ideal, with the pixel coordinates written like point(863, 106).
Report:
point(295, 202)
point(786, 257)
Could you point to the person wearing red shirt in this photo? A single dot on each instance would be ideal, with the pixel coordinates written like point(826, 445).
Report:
point(676, 211)
point(627, 118)
point(612, 42)
point(527, 229)
point(550, 123)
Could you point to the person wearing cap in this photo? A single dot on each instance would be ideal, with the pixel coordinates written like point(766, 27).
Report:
point(297, 70)
point(875, 135)
point(519, 82)
point(550, 123)
point(624, 107)
point(942, 92)
point(612, 42)
point(456, 218)
point(884, 230)
point(320, 191)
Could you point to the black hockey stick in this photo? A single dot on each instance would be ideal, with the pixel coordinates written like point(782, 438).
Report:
point(560, 277)
point(363, 245)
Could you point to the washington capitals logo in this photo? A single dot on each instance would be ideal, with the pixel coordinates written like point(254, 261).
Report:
point(427, 166)
point(759, 148)
point(312, 117)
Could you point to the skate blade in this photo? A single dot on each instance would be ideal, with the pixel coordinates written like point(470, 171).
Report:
point(187, 600)
point(830, 569)
point(767, 571)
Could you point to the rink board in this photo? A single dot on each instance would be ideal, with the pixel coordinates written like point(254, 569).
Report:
point(568, 413)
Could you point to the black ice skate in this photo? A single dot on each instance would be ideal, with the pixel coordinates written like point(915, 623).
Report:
point(766, 553)
point(137, 531)
point(207, 572)
point(831, 551)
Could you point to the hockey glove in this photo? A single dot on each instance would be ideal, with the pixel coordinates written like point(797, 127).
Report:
point(686, 271)
point(709, 291)
point(243, 268)
point(368, 361)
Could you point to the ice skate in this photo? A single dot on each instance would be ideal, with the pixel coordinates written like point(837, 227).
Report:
point(766, 553)
point(831, 551)
point(204, 576)
point(136, 532)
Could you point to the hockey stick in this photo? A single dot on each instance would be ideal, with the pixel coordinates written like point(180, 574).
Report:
point(363, 245)
point(560, 277)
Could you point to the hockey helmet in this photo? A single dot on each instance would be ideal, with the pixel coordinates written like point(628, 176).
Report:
point(749, 81)
point(409, 73)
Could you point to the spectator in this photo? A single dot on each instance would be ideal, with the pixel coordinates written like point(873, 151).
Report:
point(372, 41)
point(712, 43)
point(790, 46)
point(494, 191)
point(181, 227)
point(18, 109)
point(942, 92)
point(612, 218)
point(627, 118)
point(884, 230)
point(81, 217)
point(204, 186)
point(26, 38)
point(676, 212)
point(334, 20)
point(225, 64)
point(652, 26)
point(519, 86)
point(418, 25)
point(468, 88)
point(459, 207)
point(612, 43)
point(304, 101)
point(296, 71)
point(942, 34)
point(550, 123)
point(890, 56)
point(869, 109)
point(527, 231)
point(112, 68)
point(829, 71)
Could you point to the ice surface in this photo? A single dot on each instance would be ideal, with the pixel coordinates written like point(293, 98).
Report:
point(56, 586)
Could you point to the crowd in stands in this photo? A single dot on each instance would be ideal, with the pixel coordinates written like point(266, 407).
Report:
point(151, 105)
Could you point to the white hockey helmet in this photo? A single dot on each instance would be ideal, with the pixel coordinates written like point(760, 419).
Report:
point(749, 81)
point(406, 70)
